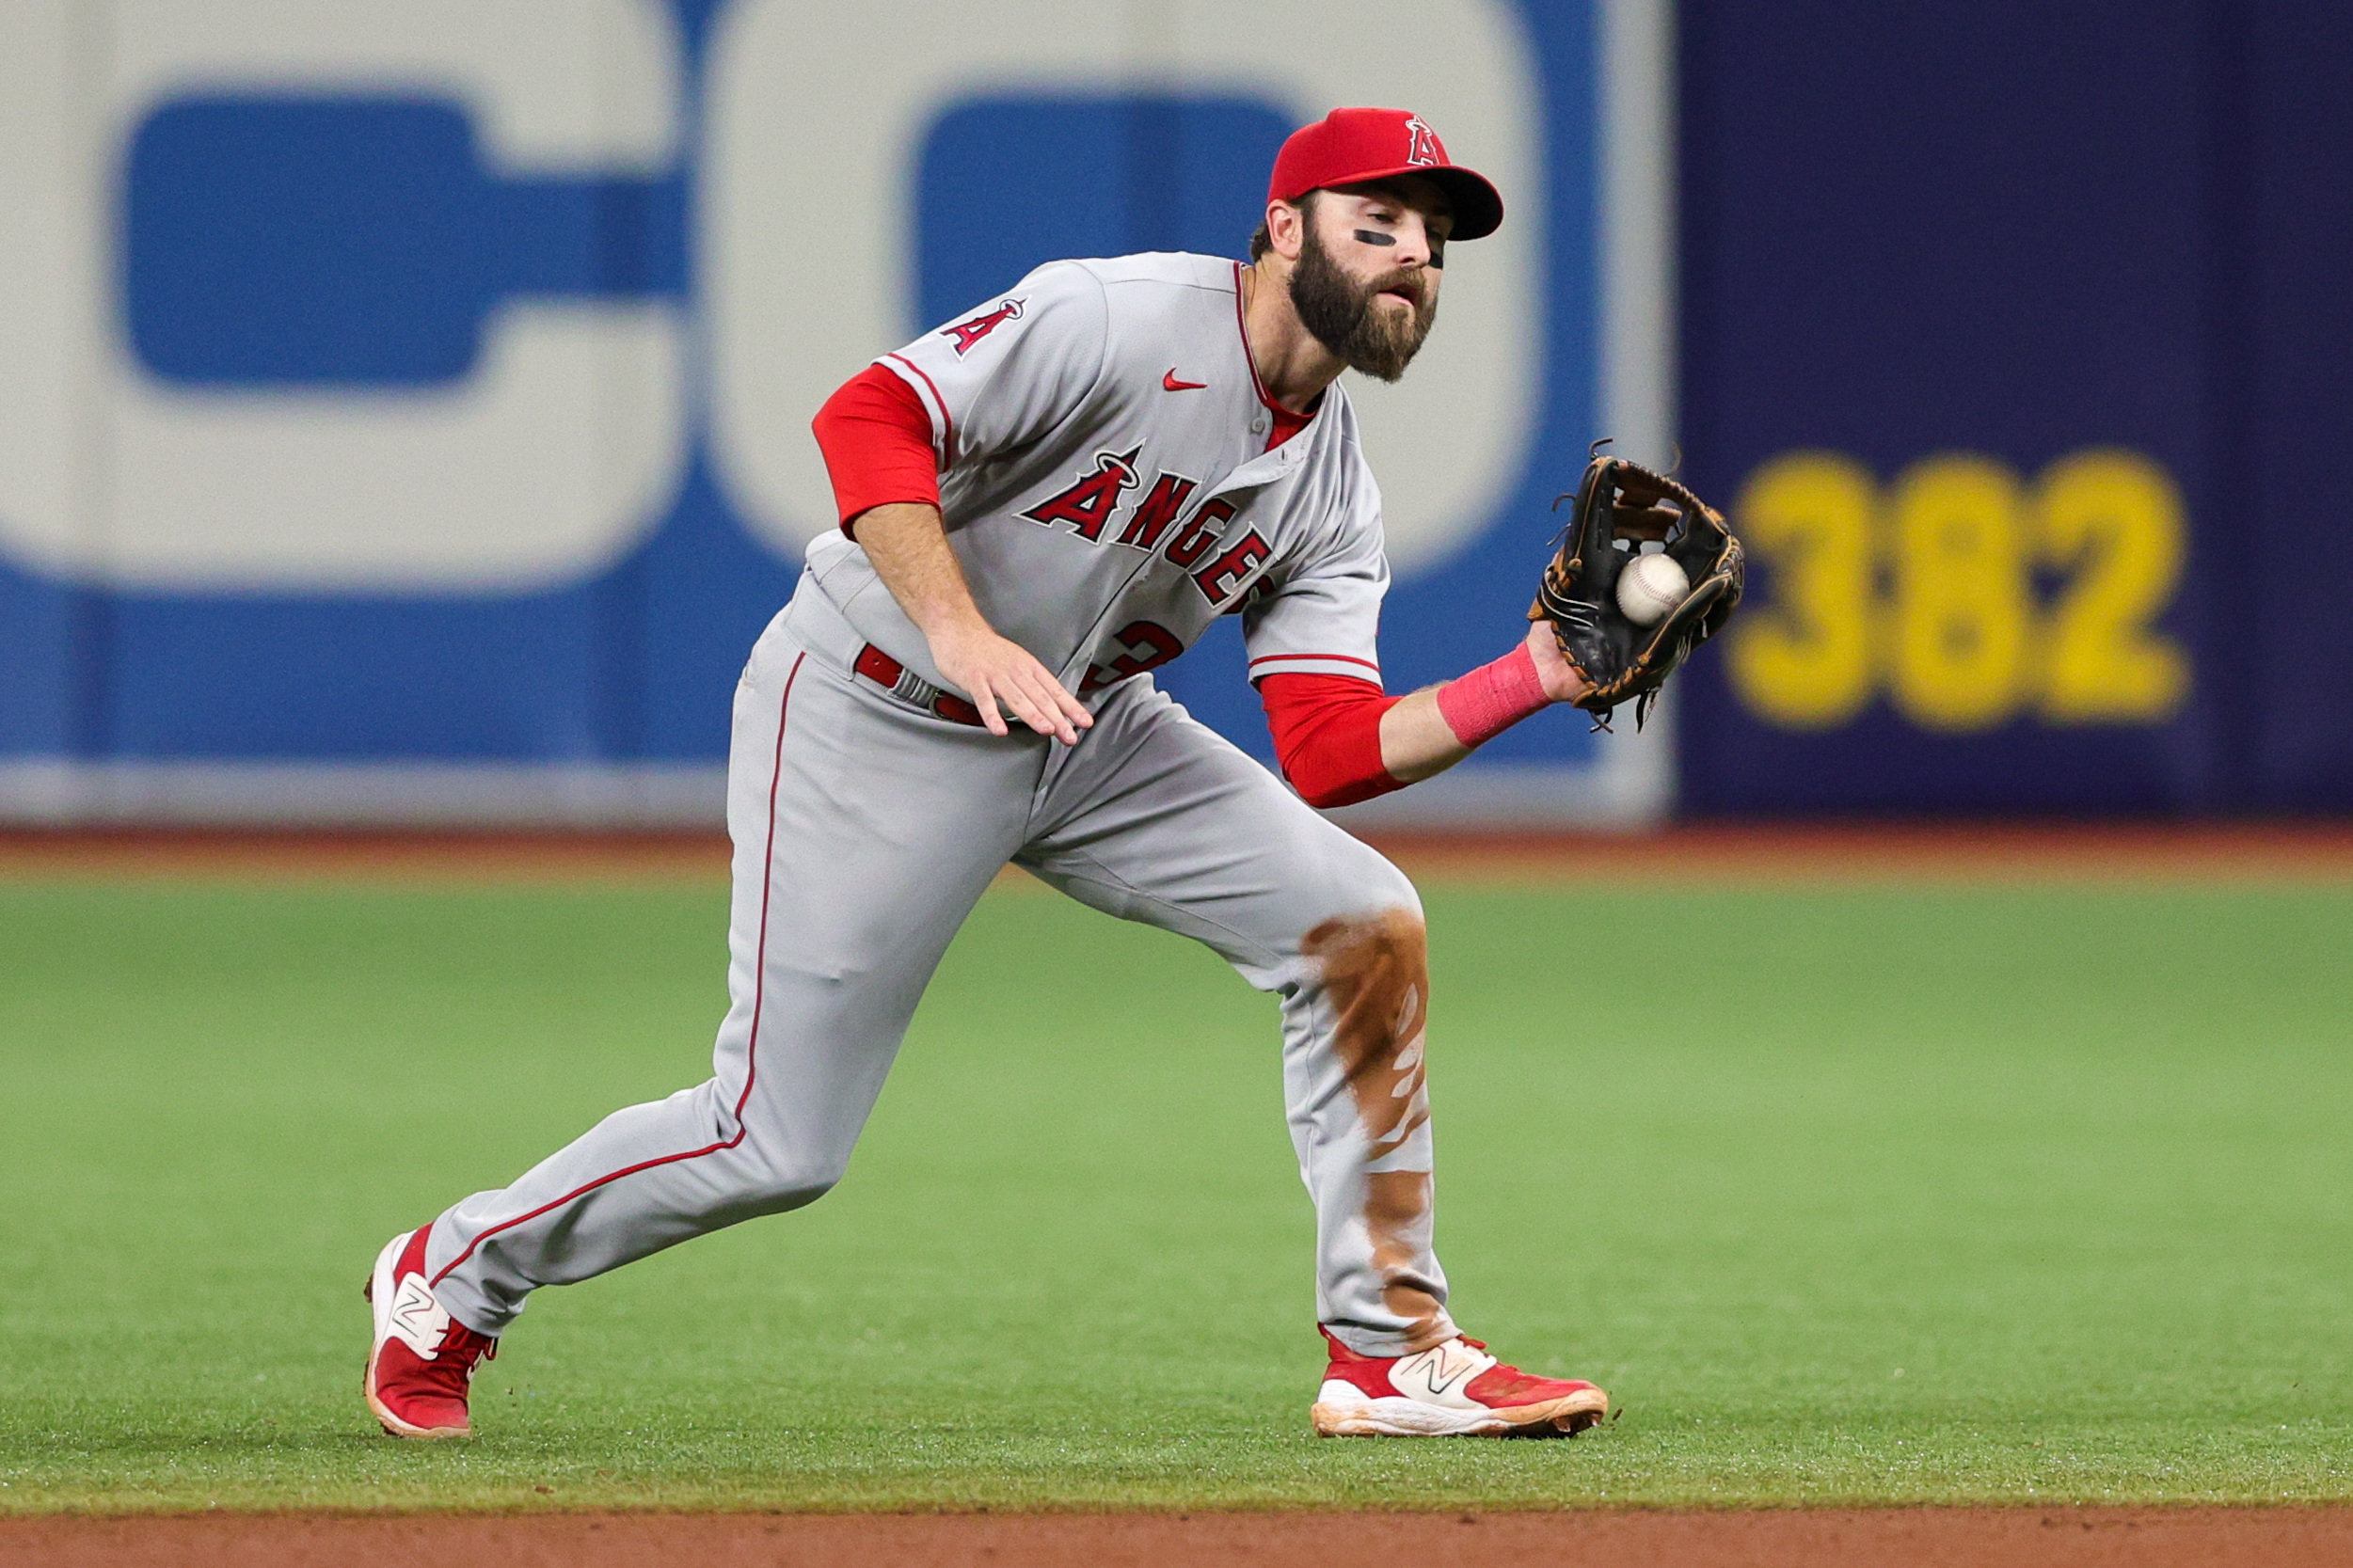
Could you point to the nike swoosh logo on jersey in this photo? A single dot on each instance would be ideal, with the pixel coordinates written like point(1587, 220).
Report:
point(1169, 383)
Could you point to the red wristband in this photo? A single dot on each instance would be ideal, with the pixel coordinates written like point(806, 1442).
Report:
point(1491, 699)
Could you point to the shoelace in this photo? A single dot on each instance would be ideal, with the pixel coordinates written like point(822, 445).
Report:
point(460, 1352)
point(473, 1349)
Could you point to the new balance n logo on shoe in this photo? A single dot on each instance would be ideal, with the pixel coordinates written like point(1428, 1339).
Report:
point(417, 1319)
point(1436, 1373)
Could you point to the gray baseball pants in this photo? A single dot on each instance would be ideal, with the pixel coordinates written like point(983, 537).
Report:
point(865, 829)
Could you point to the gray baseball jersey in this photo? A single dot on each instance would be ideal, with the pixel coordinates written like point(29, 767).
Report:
point(1105, 478)
point(1100, 437)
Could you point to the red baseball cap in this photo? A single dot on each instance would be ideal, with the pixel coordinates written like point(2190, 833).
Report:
point(1349, 146)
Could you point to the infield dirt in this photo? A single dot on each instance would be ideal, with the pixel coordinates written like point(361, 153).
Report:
point(1918, 1537)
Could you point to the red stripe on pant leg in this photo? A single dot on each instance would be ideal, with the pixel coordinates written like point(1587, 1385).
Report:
point(767, 887)
point(759, 997)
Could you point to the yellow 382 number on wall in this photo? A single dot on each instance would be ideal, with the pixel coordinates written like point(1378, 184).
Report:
point(1925, 592)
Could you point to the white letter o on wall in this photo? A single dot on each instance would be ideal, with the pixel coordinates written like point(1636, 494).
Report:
point(814, 114)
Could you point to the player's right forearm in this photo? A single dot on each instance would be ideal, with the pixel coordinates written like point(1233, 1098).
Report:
point(908, 545)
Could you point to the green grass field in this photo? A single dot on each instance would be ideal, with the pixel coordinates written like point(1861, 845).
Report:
point(1862, 1194)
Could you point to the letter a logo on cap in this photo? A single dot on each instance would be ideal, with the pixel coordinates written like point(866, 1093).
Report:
point(1426, 150)
point(1351, 146)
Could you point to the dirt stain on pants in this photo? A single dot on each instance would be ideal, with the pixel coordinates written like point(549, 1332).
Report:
point(1376, 974)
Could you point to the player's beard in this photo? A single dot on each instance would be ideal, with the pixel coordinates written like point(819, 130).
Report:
point(1341, 314)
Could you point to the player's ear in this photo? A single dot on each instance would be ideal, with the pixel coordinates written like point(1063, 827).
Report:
point(1286, 229)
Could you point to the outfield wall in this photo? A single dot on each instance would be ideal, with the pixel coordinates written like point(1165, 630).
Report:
point(410, 402)
point(2018, 334)
point(405, 416)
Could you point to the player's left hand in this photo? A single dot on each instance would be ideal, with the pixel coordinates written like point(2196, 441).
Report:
point(1625, 660)
point(1563, 681)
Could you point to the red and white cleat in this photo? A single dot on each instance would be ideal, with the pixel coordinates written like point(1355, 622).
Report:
point(424, 1359)
point(1456, 1389)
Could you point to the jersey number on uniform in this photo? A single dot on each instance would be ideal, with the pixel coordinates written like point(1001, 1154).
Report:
point(1148, 646)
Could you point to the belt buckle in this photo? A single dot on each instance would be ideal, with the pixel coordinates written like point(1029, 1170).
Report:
point(956, 710)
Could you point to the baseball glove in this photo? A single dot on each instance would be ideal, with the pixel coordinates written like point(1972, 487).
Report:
point(1619, 505)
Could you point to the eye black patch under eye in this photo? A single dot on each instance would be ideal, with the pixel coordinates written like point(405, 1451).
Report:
point(1437, 255)
point(1366, 236)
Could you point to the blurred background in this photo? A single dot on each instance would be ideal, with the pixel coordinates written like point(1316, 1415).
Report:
point(406, 407)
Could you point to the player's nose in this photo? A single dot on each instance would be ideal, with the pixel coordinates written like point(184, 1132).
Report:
point(1416, 244)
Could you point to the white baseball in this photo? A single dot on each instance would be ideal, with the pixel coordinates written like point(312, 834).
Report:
point(1649, 587)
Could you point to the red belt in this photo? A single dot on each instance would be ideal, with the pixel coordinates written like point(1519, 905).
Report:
point(882, 670)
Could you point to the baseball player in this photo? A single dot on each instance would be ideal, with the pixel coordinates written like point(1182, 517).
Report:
point(1042, 501)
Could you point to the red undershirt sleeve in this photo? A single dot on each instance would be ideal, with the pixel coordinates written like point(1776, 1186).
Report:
point(1328, 736)
point(876, 436)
